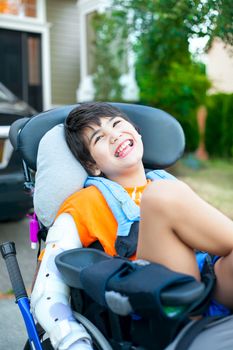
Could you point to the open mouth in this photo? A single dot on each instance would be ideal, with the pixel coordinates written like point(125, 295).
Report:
point(124, 148)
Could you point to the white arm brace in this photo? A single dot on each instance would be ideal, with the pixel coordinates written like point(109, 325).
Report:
point(50, 296)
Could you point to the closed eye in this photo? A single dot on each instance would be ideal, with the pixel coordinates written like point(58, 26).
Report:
point(98, 138)
point(116, 122)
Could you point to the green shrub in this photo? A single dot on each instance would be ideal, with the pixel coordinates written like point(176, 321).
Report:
point(167, 75)
point(219, 125)
point(180, 93)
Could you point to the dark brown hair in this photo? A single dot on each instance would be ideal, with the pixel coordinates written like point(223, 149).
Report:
point(82, 117)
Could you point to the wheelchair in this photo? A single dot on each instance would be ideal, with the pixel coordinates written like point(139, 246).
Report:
point(127, 307)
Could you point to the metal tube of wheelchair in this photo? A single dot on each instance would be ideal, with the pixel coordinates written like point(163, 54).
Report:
point(28, 184)
point(8, 252)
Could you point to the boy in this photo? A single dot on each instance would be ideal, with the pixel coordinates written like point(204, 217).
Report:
point(173, 220)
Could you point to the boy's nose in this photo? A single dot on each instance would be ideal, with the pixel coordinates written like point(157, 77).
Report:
point(114, 137)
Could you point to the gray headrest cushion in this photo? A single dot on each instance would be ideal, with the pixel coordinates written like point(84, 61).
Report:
point(58, 175)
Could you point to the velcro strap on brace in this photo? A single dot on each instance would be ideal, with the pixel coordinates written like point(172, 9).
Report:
point(55, 286)
point(65, 333)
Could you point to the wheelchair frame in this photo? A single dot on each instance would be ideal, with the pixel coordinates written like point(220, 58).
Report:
point(28, 159)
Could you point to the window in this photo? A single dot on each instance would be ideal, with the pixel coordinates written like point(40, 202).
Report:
point(21, 8)
point(34, 63)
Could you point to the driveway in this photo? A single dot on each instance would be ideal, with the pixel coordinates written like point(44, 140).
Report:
point(12, 330)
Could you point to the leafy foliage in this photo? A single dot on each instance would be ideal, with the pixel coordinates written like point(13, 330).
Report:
point(159, 32)
point(109, 51)
point(223, 21)
point(219, 125)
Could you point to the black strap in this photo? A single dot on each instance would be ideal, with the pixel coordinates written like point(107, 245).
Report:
point(126, 245)
point(209, 279)
point(192, 332)
point(96, 245)
point(42, 235)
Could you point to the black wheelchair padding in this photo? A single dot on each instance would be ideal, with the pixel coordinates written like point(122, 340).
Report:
point(144, 285)
point(162, 135)
point(74, 263)
point(15, 129)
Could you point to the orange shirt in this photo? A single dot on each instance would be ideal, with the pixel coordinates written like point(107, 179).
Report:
point(93, 217)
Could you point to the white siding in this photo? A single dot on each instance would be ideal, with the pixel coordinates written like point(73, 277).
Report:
point(64, 47)
point(220, 67)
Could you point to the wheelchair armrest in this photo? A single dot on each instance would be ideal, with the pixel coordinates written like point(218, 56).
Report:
point(184, 294)
point(71, 263)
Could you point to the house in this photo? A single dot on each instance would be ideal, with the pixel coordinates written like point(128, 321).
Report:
point(85, 91)
point(46, 52)
point(24, 47)
point(220, 67)
point(39, 48)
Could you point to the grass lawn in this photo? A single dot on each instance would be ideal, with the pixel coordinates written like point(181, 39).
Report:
point(212, 180)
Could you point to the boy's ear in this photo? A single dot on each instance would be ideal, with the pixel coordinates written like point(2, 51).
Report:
point(96, 171)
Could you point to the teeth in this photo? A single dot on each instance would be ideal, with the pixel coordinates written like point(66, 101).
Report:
point(123, 146)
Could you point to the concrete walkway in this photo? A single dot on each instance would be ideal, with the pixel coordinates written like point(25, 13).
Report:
point(13, 333)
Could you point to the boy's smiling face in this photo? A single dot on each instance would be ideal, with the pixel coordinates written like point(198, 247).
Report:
point(116, 147)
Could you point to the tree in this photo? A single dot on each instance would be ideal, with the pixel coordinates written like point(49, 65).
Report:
point(108, 56)
point(159, 32)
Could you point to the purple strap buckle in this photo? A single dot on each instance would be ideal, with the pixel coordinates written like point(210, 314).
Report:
point(33, 230)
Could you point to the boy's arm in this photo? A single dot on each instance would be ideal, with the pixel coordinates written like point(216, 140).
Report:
point(50, 296)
